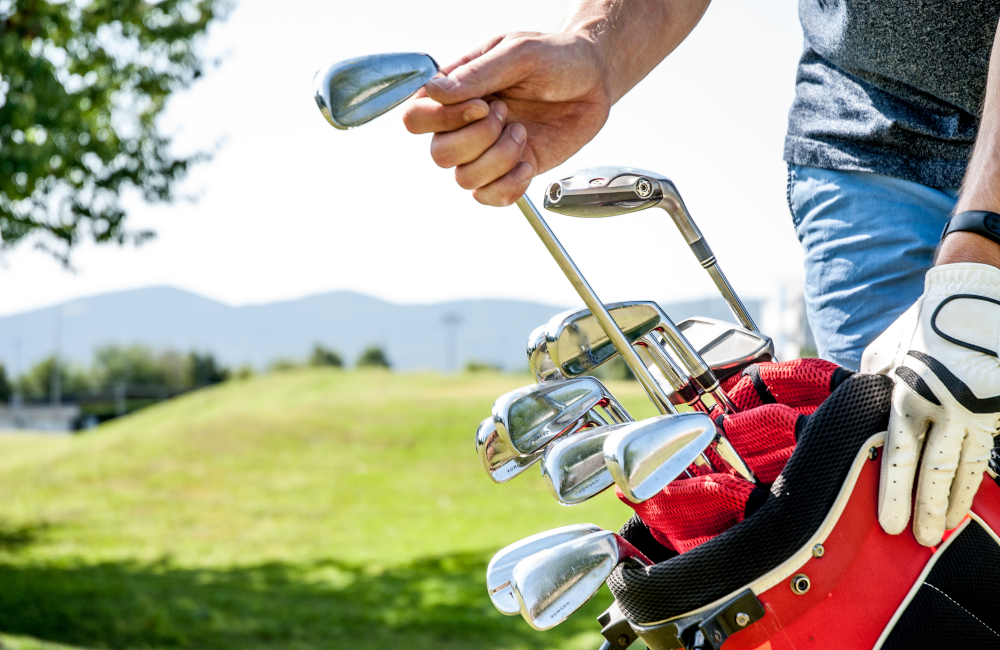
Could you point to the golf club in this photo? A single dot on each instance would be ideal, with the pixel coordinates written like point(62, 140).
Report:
point(612, 191)
point(529, 418)
point(503, 463)
point(539, 360)
point(727, 348)
point(500, 567)
point(573, 466)
point(644, 457)
point(553, 583)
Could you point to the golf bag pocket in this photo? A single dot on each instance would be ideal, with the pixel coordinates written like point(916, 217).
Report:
point(811, 567)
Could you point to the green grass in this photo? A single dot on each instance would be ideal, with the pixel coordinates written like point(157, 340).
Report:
point(306, 509)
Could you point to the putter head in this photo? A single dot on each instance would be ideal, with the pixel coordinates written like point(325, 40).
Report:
point(500, 567)
point(644, 457)
point(573, 466)
point(539, 360)
point(608, 192)
point(552, 584)
point(529, 418)
point(726, 348)
point(353, 92)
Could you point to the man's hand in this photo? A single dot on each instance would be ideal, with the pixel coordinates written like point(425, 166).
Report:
point(515, 107)
point(942, 354)
point(523, 103)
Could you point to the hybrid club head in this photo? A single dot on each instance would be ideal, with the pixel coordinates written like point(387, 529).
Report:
point(353, 92)
point(552, 584)
point(727, 348)
point(645, 456)
point(539, 361)
point(503, 463)
point(529, 418)
point(503, 563)
point(612, 191)
point(573, 466)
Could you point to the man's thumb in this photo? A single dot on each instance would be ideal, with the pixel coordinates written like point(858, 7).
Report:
point(496, 70)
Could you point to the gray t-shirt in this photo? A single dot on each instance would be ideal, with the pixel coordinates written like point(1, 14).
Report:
point(891, 87)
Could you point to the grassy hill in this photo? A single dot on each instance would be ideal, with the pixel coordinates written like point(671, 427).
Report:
point(308, 509)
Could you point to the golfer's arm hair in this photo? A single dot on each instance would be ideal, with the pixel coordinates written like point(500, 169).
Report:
point(633, 36)
point(981, 187)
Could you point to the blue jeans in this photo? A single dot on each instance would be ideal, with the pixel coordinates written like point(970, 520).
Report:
point(869, 240)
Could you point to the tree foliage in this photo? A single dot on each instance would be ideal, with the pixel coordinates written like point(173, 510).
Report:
point(81, 85)
point(322, 356)
point(373, 357)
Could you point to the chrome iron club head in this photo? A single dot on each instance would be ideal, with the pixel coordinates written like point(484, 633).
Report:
point(529, 418)
point(503, 563)
point(645, 456)
point(726, 348)
point(573, 466)
point(503, 463)
point(539, 360)
point(612, 191)
point(552, 584)
point(353, 92)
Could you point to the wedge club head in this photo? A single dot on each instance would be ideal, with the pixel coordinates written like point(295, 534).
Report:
point(727, 348)
point(503, 563)
point(573, 466)
point(529, 418)
point(644, 457)
point(353, 92)
point(552, 584)
point(612, 191)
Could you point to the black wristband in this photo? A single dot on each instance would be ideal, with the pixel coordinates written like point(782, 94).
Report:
point(979, 222)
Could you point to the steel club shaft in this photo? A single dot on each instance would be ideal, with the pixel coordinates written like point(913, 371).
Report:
point(596, 307)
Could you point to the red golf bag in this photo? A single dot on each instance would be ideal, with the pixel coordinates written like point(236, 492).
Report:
point(811, 567)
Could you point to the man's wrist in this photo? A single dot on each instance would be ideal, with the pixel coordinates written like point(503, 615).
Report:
point(960, 247)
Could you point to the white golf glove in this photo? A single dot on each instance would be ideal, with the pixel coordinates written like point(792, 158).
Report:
point(942, 355)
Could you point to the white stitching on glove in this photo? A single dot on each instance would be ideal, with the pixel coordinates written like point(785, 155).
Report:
point(942, 355)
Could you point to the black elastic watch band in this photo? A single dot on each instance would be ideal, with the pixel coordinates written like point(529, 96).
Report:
point(980, 222)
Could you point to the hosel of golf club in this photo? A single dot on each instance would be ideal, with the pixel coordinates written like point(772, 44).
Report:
point(674, 206)
point(596, 307)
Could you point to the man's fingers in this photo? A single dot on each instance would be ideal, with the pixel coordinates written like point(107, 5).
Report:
point(971, 465)
point(499, 159)
point(466, 145)
point(937, 472)
point(424, 115)
point(497, 69)
point(899, 460)
point(507, 189)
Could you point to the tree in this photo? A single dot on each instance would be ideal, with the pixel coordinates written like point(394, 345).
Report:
point(325, 357)
point(81, 86)
point(36, 384)
point(5, 387)
point(204, 370)
point(373, 357)
point(114, 366)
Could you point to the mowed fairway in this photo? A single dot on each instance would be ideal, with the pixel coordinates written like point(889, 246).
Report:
point(305, 509)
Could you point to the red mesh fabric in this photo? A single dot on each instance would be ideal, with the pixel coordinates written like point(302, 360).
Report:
point(803, 382)
point(691, 511)
point(764, 437)
point(728, 383)
point(743, 395)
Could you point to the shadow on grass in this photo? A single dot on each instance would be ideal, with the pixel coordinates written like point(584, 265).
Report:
point(15, 538)
point(438, 603)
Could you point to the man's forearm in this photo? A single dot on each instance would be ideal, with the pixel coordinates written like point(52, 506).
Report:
point(981, 187)
point(633, 36)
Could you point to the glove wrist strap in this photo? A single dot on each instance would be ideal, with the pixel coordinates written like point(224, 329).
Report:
point(980, 222)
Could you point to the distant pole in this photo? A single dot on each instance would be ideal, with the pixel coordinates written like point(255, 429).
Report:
point(451, 321)
point(56, 376)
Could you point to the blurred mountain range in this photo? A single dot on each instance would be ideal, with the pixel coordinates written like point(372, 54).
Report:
point(436, 336)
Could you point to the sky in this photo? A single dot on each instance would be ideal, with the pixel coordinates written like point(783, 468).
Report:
point(290, 207)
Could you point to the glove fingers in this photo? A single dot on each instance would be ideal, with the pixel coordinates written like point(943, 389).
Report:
point(908, 421)
point(971, 465)
point(934, 483)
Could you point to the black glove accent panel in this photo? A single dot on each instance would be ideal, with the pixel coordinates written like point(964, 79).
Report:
point(956, 386)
